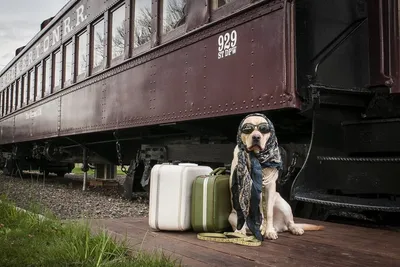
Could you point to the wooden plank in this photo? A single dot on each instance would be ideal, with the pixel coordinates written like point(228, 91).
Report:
point(270, 255)
point(362, 235)
point(136, 244)
point(355, 238)
point(145, 246)
point(336, 245)
point(159, 240)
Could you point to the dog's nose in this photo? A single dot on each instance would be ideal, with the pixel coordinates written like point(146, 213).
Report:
point(256, 138)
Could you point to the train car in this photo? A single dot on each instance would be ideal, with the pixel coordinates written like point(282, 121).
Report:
point(138, 82)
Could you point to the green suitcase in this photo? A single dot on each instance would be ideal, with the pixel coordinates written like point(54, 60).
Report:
point(211, 204)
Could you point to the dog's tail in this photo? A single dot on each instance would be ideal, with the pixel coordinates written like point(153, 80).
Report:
point(310, 227)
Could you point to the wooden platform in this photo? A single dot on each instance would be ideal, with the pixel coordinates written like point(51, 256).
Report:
point(337, 245)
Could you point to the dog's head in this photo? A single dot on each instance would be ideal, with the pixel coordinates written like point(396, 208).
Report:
point(255, 132)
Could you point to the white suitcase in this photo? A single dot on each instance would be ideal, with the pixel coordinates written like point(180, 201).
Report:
point(170, 195)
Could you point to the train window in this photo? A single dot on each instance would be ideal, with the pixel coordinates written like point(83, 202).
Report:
point(68, 63)
point(142, 29)
point(8, 101)
point(12, 98)
point(5, 99)
point(47, 75)
point(3, 102)
point(218, 3)
point(98, 44)
point(26, 96)
point(11, 101)
point(39, 81)
point(82, 53)
point(31, 86)
point(174, 14)
point(117, 32)
point(20, 92)
point(57, 69)
point(16, 95)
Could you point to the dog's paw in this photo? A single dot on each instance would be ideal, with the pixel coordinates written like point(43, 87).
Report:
point(271, 234)
point(296, 230)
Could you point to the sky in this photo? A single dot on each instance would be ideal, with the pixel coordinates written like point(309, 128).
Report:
point(20, 21)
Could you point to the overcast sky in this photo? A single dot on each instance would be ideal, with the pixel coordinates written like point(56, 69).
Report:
point(20, 22)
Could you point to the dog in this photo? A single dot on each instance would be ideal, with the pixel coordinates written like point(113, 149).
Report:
point(256, 138)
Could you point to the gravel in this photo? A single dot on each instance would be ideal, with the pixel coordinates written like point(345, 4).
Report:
point(65, 199)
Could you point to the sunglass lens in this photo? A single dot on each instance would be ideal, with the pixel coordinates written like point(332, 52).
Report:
point(247, 128)
point(263, 128)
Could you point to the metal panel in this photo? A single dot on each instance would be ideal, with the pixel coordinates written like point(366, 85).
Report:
point(23, 127)
point(81, 109)
point(45, 123)
point(7, 131)
point(38, 122)
point(129, 96)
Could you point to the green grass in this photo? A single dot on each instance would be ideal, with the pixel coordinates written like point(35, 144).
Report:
point(78, 170)
point(26, 240)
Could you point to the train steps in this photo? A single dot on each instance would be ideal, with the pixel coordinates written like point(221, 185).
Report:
point(355, 183)
point(352, 164)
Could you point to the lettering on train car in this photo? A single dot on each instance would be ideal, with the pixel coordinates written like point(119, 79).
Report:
point(33, 113)
point(227, 44)
point(52, 38)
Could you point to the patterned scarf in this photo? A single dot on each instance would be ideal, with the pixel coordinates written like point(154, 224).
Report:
point(247, 179)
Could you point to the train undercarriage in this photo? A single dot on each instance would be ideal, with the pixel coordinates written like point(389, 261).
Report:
point(341, 157)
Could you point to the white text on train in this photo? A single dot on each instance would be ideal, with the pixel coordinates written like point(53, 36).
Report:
point(48, 41)
point(227, 44)
point(33, 113)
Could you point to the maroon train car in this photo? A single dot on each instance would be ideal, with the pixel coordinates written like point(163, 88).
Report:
point(136, 82)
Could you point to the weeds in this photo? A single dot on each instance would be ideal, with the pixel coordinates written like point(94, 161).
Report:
point(29, 240)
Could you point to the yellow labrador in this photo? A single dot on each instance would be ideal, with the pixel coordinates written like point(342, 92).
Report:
point(256, 135)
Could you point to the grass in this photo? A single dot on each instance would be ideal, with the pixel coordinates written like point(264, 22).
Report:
point(27, 240)
point(78, 170)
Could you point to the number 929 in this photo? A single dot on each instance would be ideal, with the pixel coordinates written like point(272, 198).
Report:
point(227, 40)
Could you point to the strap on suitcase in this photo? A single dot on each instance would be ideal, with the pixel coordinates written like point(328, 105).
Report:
point(218, 171)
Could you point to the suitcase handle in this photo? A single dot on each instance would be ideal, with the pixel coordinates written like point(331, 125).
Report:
point(218, 171)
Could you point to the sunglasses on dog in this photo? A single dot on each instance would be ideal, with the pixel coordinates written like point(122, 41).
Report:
point(248, 128)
